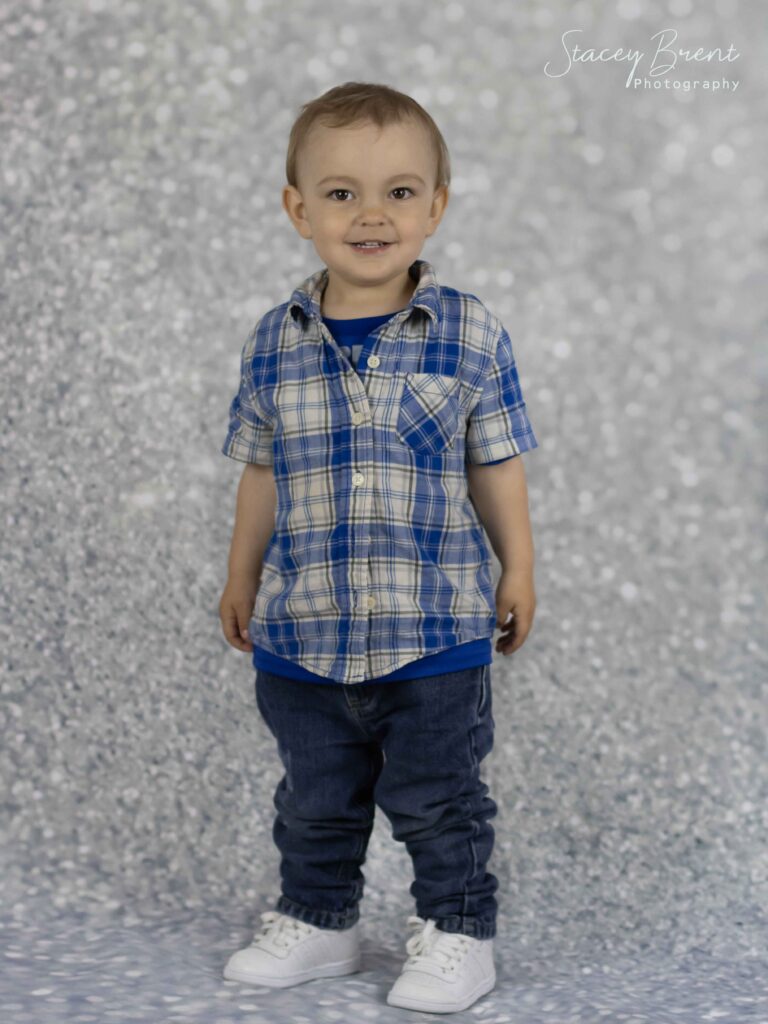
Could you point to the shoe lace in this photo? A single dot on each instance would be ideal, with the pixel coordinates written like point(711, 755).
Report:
point(428, 941)
point(281, 929)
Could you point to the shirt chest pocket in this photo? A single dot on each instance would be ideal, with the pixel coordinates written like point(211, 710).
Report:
point(428, 413)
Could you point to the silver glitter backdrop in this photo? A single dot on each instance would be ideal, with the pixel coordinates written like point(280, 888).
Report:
point(619, 233)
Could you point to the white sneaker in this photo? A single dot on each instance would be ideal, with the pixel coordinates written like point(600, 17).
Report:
point(288, 952)
point(445, 971)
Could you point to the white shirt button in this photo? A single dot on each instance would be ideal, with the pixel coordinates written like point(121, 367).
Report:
point(358, 479)
point(371, 602)
point(357, 417)
point(373, 361)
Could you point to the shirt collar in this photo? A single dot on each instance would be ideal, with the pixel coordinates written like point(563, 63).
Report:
point(426, 295)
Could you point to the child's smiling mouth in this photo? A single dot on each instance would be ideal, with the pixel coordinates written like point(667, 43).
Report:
point(371, 246)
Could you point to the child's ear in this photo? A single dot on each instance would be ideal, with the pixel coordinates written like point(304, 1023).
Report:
point(293, 204)
point(439, 203)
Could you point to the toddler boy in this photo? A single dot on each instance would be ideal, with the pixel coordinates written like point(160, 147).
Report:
point(379, 413)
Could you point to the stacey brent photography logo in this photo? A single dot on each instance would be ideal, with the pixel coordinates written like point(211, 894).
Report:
point(651, 75)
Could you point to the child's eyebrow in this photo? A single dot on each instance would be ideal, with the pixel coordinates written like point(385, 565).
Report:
point(352, 181)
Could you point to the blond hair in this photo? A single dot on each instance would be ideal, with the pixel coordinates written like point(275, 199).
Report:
point(355, 102)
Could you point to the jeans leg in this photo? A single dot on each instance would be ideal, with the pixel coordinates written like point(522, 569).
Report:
point(324, 802)
point(435, 731)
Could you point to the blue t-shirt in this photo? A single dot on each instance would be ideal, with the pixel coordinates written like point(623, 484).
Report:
point(350, 336)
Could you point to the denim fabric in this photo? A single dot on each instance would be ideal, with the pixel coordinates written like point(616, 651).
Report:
point(413, 748)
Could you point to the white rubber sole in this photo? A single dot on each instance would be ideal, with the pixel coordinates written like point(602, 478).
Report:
point(328, 970)
point(445, 1006)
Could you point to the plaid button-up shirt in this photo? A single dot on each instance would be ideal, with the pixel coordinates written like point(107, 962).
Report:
point(378, 557)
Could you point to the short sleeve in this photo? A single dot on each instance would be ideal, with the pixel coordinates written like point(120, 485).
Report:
point(249, 435)
point(498, 427)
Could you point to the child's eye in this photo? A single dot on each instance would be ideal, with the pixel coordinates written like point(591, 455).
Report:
point(335, 190)
point(403, 188)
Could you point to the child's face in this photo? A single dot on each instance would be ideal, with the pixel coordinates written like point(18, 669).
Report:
point(366, 183)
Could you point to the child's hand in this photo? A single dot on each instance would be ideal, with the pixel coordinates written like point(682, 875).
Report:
point(235, 610)
point(515, 594)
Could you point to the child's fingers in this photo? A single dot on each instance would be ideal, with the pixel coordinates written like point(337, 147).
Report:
point(516, 636)
point(234, 622)
point(243, 618)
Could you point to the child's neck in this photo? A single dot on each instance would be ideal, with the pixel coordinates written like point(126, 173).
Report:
point(361, 302)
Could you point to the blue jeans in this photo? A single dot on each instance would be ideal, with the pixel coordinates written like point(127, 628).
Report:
point(411, 747)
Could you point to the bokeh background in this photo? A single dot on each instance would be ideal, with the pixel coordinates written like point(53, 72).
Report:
point(619, 234)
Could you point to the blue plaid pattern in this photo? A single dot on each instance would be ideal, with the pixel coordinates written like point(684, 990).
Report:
point(378, 557)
